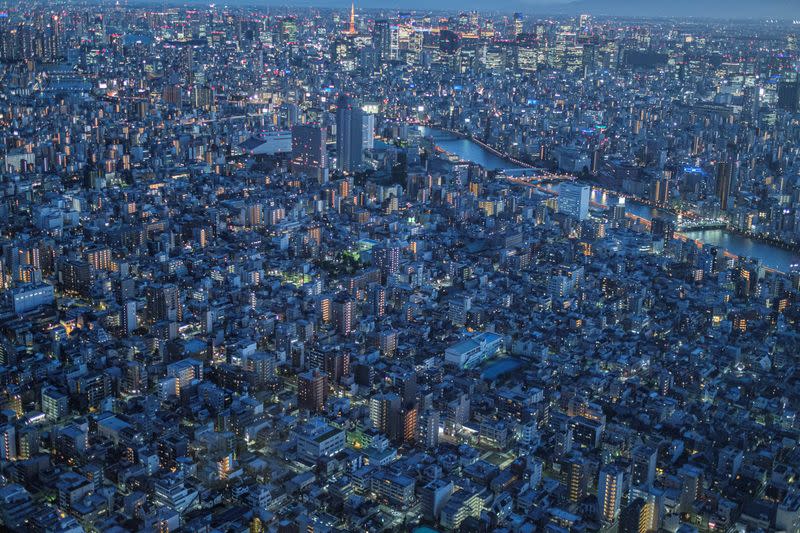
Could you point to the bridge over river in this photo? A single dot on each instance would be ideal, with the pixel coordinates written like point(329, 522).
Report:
point(713, 233)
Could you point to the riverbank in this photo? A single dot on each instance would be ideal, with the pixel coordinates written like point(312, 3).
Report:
point(488, 147)
point(777, 256)
point(794, 248)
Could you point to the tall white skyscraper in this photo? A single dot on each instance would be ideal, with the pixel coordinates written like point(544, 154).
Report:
point(573, 200)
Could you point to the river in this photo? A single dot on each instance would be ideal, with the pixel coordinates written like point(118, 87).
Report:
point(466, 149)
point(772, 256)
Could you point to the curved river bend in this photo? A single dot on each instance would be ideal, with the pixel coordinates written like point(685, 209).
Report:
point(772, 256)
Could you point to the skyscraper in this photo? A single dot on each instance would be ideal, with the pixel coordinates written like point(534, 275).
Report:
point(573, 200)
point(349, 134)
point(381, 38)
point(724, 175)
point(789, 95)
point(368, 131)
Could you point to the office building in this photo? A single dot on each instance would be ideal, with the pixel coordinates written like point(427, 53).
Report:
point(349, 134)
point(310, 152)
point(723, 185)
point(573, 200)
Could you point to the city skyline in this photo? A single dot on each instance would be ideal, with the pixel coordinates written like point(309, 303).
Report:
point(287, 269)
point(785, 10)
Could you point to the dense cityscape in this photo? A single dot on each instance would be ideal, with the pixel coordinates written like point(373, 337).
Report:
point(298, 270)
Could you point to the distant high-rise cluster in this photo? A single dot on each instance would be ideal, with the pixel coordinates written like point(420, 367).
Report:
point(312, 269)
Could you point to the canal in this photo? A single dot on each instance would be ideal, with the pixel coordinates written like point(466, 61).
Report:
point(772, 256)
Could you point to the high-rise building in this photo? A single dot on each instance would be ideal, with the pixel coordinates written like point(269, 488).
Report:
point(344, 314)
point(662, 228)
point(407, 383)
point(381, 38)
point(527, 53)
point(54, 404)
point(433, 496)
point(93, 389)
point(574, 471)
point(185, 372)
point(163, 303)
point(643, 466)
point(336, 364)
point(288, 30)
point(75, 276)
point(134, 380)
point(609, 493)
point(659, 192)
point(8, 443)
point(349, 134)
point(789, 95)
point(368, 131)
point(518, 21)
point(655, 501)
point(637, 516)
point(309, 152)
point(386, 258)
point(573, 200)
point(429, 421)
point(724, 176)
point(312, 390)
point(323, 306)
point(378, 300)
point(173, 95)
point(691, 484)
point(99, 257)
point(129, 320)
point(381, 408)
